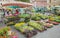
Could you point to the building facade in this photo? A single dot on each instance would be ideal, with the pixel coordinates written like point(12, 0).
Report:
point(38, 3)
point(54, 2)
point(45, 3)
point(6, 0)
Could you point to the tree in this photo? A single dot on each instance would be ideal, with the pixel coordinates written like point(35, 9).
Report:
point(24, 0)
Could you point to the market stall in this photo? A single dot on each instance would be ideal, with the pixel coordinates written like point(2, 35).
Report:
point(16, 3)
point(28, 23)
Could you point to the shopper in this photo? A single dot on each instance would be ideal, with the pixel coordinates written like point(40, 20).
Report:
point(10, 13)
point(16, 12)
point(6, 13)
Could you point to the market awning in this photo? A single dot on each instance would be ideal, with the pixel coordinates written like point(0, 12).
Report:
point(12, 7)
point(16, 3)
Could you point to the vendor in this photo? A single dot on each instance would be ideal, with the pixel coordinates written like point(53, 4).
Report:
point(6, 13)
point(16, 12)
point(10, 12)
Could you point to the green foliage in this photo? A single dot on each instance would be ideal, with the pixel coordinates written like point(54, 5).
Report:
point(24, 16)
point(57, 21)
point(36, 25)
point(24, 0)
point(35, 17)
point(4, 31)
point(44, 16)
point(1, 32)
point(23, 27)
point(57, 18)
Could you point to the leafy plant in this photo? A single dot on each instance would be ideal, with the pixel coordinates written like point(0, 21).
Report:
point(36, 25)
point(24, 0)
point(23, 28)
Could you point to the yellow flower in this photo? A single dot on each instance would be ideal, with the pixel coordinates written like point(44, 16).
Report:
point(19, 24)
point(52, 18)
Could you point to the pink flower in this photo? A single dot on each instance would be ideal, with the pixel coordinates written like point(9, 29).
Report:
point(14, 37)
